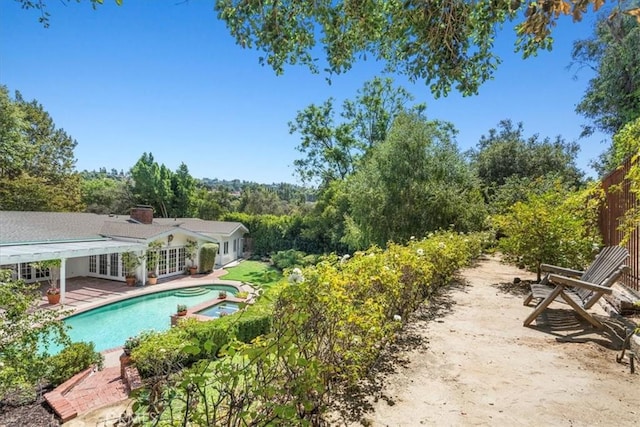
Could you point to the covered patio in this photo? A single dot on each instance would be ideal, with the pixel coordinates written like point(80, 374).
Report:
point(18, 254)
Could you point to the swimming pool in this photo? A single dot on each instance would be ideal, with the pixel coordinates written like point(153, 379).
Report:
point(220, 309)
point(110, 325)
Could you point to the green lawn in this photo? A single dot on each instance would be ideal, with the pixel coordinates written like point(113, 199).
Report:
point(256, 272)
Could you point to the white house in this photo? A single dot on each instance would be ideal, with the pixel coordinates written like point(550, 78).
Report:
point(92, 245)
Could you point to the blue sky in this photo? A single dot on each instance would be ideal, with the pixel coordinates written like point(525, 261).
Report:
point(166, 77)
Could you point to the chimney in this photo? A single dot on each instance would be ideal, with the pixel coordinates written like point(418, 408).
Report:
point(143, 214)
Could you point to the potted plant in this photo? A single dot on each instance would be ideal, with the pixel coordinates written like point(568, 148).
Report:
point(153, 256)
point(53, 295)
point(222, 294)
point(181, 310)
point(130, 344)
point(53, 265)
point(191, 249)
point(131, 262)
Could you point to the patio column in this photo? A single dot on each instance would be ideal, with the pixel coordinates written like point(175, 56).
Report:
point(144, 271)
point(63, 279)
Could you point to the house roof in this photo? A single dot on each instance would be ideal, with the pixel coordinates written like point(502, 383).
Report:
point(204, 227)
point(133, 230)
point(48, 227)
point(26, 227)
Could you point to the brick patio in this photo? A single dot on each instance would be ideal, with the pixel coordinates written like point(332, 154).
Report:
point(85, 293)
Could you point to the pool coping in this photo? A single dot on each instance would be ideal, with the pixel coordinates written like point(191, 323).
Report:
point(190, 282)
point(192, 312)
point(163, 287)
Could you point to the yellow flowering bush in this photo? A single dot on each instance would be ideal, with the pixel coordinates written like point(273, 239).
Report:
point(330, 322)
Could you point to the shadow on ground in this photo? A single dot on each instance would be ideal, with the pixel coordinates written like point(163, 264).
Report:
point(567, 326)
point(353, 403)
point(521, 288)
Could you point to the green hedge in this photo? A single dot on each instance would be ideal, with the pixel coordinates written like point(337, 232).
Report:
point(72, 359)
point(162, 351)
point(329, 324)
point(208, 254)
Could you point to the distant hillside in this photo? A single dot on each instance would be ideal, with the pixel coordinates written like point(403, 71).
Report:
point(285, 191)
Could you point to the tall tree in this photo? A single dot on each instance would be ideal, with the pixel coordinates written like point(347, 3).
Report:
point(152, 184)
point(329, 149)
point(374, 109)
point(506, 154)
point(183, 187)
point(414, 182)
point(257, 201)
point(333, 147)
point(612, 98)
point(446, 43)
point(36, 159)
point(106, 194)
point(212, 204)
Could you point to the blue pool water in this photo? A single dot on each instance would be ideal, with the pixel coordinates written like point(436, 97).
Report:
point(109, 326)
point(220, 309)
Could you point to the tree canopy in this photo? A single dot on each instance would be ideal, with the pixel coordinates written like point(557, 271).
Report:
point(334, 148)
point(36, 159)
point(169, 193)
point(505, 154)
point(414, 182)
point(446, 43)
point(612, 98)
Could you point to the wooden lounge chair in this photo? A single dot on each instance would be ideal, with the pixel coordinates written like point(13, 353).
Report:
point(580, 289)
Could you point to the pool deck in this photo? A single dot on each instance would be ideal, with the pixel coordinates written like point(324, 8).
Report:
point(90, 390)
point(85, 293)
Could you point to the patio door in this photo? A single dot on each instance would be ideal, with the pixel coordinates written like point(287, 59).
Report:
point(168, 262)
point(105, 265)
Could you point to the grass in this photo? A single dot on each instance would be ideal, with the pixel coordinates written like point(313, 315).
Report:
point(255, 272)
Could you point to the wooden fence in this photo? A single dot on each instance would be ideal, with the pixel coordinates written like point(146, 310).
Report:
point(618, 200)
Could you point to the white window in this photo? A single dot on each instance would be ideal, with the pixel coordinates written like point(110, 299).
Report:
point(182, 256)
point(162, 262)
point(25, 271)
point(113, 265)
point(173, 260)
point(42, 274)
point(226, 248)
point(102, 264)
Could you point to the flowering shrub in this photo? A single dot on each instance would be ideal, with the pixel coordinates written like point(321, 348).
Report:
point(555, 228)
point(295, 276)
point(134, 342)
point(329, 325)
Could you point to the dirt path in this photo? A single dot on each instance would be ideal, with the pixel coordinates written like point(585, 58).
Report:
point(475, 364)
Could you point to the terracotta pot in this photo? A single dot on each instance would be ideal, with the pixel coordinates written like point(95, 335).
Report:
point(53, 298)
point(193, 270)
point(182, 313)
point(152, 280)
point(131, 281)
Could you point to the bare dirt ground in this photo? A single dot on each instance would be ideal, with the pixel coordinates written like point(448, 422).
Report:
point(467, 360)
